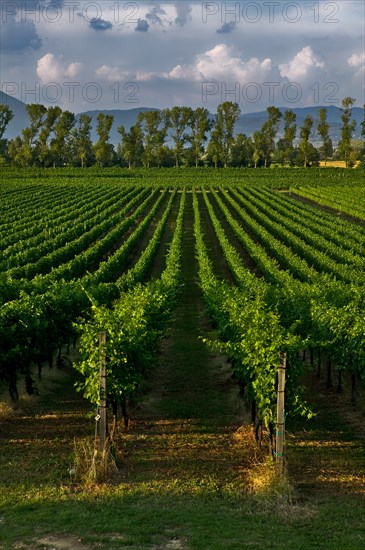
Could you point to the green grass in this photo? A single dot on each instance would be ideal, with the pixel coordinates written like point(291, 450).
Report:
point(149, 517)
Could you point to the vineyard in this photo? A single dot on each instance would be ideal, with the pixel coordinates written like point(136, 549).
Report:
point(276, 258)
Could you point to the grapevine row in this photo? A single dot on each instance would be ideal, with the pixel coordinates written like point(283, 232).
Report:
point(29, 250)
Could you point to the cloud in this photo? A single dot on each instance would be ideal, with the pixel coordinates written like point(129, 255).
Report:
point(144, 76)
point(153, 15)
point(241, 53)
point(357, 61)
point(183, 13)
point(19, 36)
point(54, 69)
point(142, 25)
point(227, 27)
point(73, 70)
point(112, 74)
point(301, 64)
point(220, 63)
point(100, 24)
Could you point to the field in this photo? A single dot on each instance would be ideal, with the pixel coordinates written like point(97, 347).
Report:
point(335, 164)
point(202, 279)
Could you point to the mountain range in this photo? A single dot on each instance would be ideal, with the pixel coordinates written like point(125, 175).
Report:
point(247, 122)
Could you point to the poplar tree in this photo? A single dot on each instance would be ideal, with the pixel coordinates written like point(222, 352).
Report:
point(323, 130)
point(103, 149)
point(305, 145)
point(200, 124)
point(80, 144)
point(290, 130)
point(6, 115)
point(269, 131)
point(347, 130)
point(132, 144)
point(223, 133)
point(154, 126)
point(179, 120)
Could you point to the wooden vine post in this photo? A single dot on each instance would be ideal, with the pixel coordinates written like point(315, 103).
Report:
point(280, 417)
point(102, 393)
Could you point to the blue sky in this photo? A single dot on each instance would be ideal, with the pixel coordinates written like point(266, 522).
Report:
point(109, 54)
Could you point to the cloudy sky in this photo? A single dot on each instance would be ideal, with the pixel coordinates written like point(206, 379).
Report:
point(109, 54)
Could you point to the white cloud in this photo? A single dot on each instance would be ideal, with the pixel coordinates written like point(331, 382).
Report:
point(301, 64)
point(182, 73)
point(73, 69)
point(220, 63)
point(358, 62)
point(111, 73)
point(143, 76)
point(53, 69)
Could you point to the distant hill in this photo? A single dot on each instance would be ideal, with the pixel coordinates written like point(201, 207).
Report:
point(250, 122)
point(247, 123)
point(127, 118)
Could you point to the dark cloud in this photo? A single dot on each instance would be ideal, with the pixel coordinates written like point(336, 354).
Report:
point(227, 27)
point(17, 36)
point(154, 15)
point(142, 25)
point(100, 24)
point(183, 10)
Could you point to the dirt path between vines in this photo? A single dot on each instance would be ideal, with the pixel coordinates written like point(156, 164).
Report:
point(188, 430)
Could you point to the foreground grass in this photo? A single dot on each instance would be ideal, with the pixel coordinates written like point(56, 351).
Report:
point(163, 516)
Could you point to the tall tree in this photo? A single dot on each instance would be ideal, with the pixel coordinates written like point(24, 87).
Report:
point(363, 138)
point(132, 144)
point(242, 151)
point(6, 115)
point(323, 128)
point(269, 131)
point(104, 150)
point(179, 120)
point(290, 130)
point(305, 133)
point(223, 133)
point(162, 152)
point(214, 149)
point(347, 130)
point(43, 142)
point(37, 116)
point(62, 129)
point(81, 145)
point(257, 150)
point(154, 126)
point(200, 124)
point(15, 147)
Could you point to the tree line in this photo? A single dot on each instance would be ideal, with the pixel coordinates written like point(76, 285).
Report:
point(180, 136)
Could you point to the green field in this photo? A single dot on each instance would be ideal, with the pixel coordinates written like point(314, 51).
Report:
point(200, 279)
